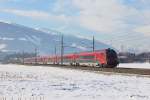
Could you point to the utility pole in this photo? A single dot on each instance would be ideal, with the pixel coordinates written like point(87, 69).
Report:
point(93, 44)
point(55, 50)
point(55, 54)
point(122, 48)
point(35, 56)
point(62, 49)
point(23, 57)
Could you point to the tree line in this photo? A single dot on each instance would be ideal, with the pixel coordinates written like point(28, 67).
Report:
point(127, 57)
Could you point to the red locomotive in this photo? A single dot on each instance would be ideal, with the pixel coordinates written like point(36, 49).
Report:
point(99, 58)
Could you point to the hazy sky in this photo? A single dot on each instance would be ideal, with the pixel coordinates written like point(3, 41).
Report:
point(115, 22)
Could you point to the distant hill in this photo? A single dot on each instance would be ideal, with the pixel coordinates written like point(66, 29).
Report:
point(18, 38)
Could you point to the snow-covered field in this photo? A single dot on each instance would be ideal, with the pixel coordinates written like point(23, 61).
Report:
point(66, 84)
point(135, 65)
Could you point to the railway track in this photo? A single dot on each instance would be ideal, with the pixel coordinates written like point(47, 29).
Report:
point(137, 71)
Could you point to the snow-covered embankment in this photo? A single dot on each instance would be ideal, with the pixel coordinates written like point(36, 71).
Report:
point(66, 84)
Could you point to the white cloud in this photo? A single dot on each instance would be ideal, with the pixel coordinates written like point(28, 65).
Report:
point(106, 16)
point(144, 2)
point(142, 21)
point(36, 14)
point(96, 15)
point(101, 15)
point(143, 29)
point(26, 13)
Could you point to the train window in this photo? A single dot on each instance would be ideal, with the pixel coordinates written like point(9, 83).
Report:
point(87, 57)
point(86, 61)
point(65, 57)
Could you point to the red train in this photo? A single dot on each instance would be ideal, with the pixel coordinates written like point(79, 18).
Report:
point(100, 58)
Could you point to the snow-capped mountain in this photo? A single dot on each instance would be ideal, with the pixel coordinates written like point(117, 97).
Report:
point(18, 38)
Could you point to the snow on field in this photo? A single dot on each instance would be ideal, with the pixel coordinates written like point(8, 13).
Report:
point(66, 84)
point(135, 65)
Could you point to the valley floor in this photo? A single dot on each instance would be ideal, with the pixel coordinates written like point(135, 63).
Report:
point(65, 84)
point(135, 65)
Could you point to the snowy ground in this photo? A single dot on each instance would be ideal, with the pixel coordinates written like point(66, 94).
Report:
point(135, 65)
point(66, 84)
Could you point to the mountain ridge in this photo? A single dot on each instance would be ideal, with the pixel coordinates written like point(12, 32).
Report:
point(19, 38)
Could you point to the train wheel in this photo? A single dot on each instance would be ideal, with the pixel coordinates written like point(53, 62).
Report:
point(71, 64)
point(77, 64)
point(105, 66)
point(100, 65)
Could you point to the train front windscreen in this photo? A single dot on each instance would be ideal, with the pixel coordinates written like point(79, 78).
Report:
point(112, 58)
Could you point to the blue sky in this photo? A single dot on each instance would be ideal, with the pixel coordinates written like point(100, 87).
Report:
point(121, 23)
